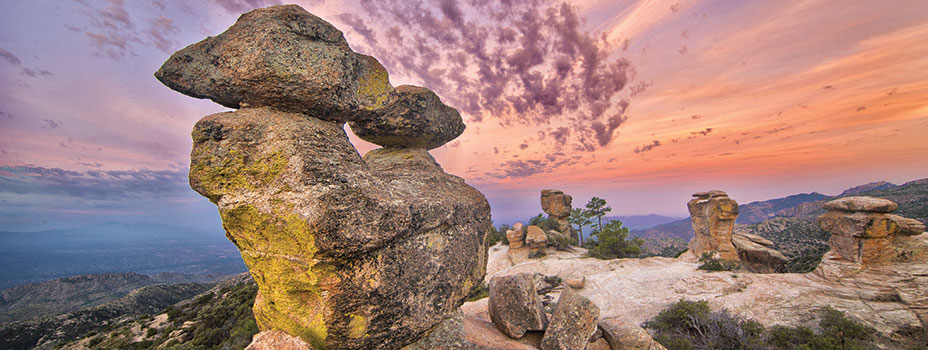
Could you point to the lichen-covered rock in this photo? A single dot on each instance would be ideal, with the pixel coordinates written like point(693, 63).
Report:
point(282, 57)
point(756, 254)
point(713, 215)
point(513, 305)
point(415, 117)
point(866, 236)
point(348, 253)
point(862, 203)
point(573, 322)
point(622, 335)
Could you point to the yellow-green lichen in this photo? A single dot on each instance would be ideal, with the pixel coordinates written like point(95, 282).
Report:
point(220, 172)
point(357, 328)
point(279, 250)
point(374, 88)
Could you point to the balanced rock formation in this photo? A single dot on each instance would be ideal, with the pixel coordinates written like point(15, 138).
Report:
point(514, 307)
point(756, 254)
point(416, 118)
point(862, 230)
point(713, 215)
point(281, 57)
point(348, 253)
point(557, 205)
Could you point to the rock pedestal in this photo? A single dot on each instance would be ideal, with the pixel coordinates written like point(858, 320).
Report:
point(713, 215)
point(863, 231)
point(557, 205)
point(348, 253)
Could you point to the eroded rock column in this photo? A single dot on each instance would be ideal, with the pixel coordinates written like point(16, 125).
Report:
point(348, 253)
point(557, 205)
point(713, 215)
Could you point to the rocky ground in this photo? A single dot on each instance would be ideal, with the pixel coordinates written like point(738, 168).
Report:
point(635, 290)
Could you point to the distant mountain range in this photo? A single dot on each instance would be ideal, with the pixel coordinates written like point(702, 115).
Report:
point(74, 293)
point(642, 221)
point(114, 247)
point(912, 198)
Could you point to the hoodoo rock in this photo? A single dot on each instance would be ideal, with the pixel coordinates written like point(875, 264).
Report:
point(416, 118)
point(348, 253)
point(282, 57)
point(557, 205)
point(862, 231)
point(713, 215)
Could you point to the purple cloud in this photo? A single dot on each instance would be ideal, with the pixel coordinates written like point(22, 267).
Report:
point(644, 148)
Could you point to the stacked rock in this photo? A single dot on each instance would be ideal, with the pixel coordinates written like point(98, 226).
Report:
point(558, 205)
point(863, 231)
point(525, 242)
point(713, 215)
point(348, 253)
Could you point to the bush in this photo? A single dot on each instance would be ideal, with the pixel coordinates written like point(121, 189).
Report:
point(561, 242)
point(711, 262)
point(546, 224)
point(611, 242)
point(692, 325)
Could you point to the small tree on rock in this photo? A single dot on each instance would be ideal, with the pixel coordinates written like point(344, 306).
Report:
point(580, 218)
point(597, 208)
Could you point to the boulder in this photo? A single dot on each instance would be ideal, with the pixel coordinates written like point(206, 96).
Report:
point(866, 236)
point(622, 335)
point(576, 283)
point(464, 332)
point(415, 118)
point(535, 237)
point(713, 215)
point(572, 324)
point(599, 344)
point(277, 340)
point(513, 305)
point(757, 256)
point(862, 203)
point(282, 57)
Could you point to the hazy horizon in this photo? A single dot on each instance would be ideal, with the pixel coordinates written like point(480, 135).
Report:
point(638, 102)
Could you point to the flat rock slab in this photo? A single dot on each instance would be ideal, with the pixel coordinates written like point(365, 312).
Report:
point(514, 306)
point(862, 203)
point(572, 324)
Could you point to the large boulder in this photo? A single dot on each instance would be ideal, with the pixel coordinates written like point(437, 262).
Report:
point(862, 231)
point(282, 57)
point(713, 215)
point(348, 253)
point(573, 322)
point(757, 255)
point(416, 118)
point(535, 237)
point(514, 306)
point(623, 335)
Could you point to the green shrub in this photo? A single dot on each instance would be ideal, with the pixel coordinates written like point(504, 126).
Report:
point(561, 242)
point(693, 325)
point(611, 242)
point(545, 223)
point(711, 262)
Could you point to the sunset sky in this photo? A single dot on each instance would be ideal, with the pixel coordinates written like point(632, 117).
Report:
point(641, 102)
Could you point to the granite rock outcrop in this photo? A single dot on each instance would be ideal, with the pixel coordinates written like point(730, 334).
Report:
point(863, 231)
point(333, 240)
point(557, 205)
point(713, 215)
